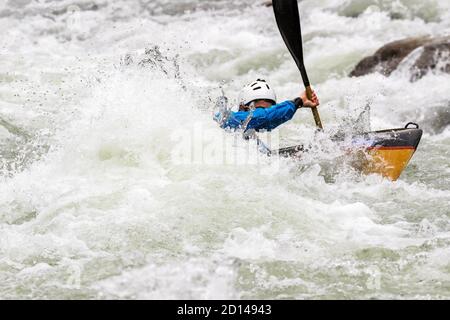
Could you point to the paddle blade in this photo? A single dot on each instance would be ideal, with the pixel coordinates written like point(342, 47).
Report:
point(288, 20)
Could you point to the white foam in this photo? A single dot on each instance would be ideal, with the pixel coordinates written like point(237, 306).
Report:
point(108, 201)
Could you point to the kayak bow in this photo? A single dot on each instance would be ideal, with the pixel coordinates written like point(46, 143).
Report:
point(386, 152)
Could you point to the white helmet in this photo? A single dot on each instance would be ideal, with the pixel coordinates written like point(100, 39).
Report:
point(258, 90)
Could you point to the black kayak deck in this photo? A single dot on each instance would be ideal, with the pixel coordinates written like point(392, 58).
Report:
point(393, 138)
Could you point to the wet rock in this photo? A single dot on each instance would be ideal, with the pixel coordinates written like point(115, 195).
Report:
point(418, 55)
point(386, 59)
point(435, 56)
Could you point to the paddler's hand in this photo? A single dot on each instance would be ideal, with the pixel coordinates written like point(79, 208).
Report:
point(313, 103)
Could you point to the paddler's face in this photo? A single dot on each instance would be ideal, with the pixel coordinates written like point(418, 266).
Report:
point(257, 104)
point(263, 104)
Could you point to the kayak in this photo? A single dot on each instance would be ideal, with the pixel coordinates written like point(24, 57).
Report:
point(386, 152)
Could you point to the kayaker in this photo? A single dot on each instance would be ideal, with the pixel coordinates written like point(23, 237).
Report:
point(258, 109)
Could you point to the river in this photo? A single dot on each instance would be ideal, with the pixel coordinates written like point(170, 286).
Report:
point(106, 191)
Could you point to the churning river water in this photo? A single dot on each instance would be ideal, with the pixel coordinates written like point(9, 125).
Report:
point(101, 101)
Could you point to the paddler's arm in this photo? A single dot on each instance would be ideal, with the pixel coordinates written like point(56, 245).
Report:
point(270, 118)
point(264, 119)
point(283, 112)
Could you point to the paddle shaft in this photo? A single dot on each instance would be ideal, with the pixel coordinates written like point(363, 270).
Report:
point(288, 21)
point(314, 110)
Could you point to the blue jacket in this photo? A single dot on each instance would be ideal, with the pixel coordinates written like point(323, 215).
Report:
point(262, 118)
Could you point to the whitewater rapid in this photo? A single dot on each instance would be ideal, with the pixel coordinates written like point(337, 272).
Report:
point(99, 101)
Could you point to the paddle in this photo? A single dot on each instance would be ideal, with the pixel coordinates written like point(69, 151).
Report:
point(288, 20)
